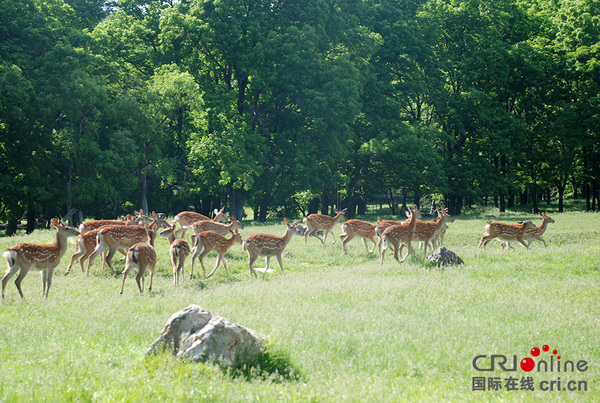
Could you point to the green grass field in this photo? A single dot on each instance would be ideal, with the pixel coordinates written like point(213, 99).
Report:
point(338, 327)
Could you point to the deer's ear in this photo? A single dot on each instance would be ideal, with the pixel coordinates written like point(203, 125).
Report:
point(55, 222)
point(285, 221)
point(379, 219)
point(232, 218)
point(236, 231)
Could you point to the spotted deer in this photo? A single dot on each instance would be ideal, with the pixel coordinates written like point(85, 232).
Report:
point(506, 232)
point(362, 229)
point(428, 231)
point(219, 228)
point(114, 237)
point(399, 235)
point(267, 245)
point(142, 219)
point(86, 243)
point(179, 251)
point(534, 234)
point(26, 256)
point(381, 226)
point(141, 257)
point(95, 224)
point(187, 218)
point(208, 241)
point(315, 222)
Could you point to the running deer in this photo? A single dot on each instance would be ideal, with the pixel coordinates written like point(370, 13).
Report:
point(208, 241)
point(381, 226)
point(534, 234)
point(25, 256)
point(315, 222)
point(114, 237)
point(400, 235)
point(267, 245)
point(179, 251)
point(140, 257)
point(428, 231)
point(505, 232)
point(188, 218)
point(363, 229)
point(222, 229)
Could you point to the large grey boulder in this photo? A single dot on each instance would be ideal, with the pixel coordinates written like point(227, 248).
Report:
point(444, 257)
point(196, 334)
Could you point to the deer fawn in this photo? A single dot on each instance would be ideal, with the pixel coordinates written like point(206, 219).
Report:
point(428, 231)
point(210, 240)
point(267, 245)
point(399, 235)
point(188, 218)
point(534, 234)
point(222, 229)
point(114, 237)
point(363, 229)
point(315, 222)
point(178, 251)
point(505, 232)
point(25, 256)
point(140, 257)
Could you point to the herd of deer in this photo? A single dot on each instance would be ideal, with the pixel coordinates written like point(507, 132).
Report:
point(135, 237)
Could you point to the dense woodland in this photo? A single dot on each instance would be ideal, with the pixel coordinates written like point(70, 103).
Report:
point(295, 106)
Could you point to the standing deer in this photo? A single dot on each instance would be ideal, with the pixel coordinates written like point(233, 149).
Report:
point(95, 224)
point(381, 226)
point(222, 229)
point(267, 245)
point(428, 231)
point(534, 234)
point(25, 256)
point(505, 232)
point(86, 243)
point(114, 237)
point(315, 222)
point(179, 251)
point(400, 235)
point(363, 229)
point(142, 219)
point(187, 218)
point(140, 257)
point(210, 240)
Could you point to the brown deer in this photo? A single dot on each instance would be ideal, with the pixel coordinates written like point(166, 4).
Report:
point(95, 224)
point(315, 222)
point(114, 237)
point(142, 219)
point(222, 229)
point(381, 226)
point(399, 235)
point(428, 231)
point(534, 234)
point(179, 251)
point(86, 243)
point(140, 257)
point(363, 229)
point(208, 241)
point(25, 256)
point(505, 232)
point(267, 245)
point(188, 218)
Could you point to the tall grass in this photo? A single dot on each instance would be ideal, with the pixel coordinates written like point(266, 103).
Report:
point(339, 327)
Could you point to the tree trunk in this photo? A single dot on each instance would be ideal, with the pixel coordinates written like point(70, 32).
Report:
point(11, 227)
point(236, 203)
point(502, 204)
point(30, 220)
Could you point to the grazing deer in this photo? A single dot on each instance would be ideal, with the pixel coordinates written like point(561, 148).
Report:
point(178, 251)
point(140, 257)
point(188, 218)
point(267, 245)
point(428, 231)
point(114, 237)
point(363, 229)
point(400, 235)
point(315, 222)
point(208, 241)
point(505, 232)
point(534, 234)
point(25, 256)
point(222, 229)
point(95, 224)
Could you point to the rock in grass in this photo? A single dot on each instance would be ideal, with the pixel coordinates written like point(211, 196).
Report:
point(196, 334)
point(444, 257)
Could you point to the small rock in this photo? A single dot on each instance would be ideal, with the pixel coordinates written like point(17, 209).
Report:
point(444, 257)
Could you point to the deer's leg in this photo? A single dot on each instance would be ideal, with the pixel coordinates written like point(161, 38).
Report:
point(374, 244)
point(484, 241)
point(195, 252)
point(385, 246)
point(408, 251)
point(280, 263)
point(268, 258)
point(109, 259)
point(151, 278)
point(522, 242)
point(140, 280)
point(48, 281)
point(20, 277)
point(251, 259)
point(11, 272)
point(204, 253)
point(216, 265)
point(78, 254)
point(175, 268)
point(125, 273)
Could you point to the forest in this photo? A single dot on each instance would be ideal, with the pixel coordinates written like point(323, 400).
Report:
point(293, 107)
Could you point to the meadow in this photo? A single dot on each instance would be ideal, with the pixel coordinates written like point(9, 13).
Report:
point(339, 327)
